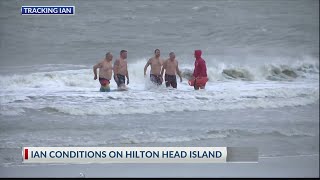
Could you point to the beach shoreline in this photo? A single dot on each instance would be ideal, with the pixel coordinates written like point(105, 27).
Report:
point(291, 166)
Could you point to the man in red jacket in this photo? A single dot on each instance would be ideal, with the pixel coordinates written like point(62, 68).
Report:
point(200, 71)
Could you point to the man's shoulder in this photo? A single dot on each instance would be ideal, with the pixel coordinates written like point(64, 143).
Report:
point(99, 64)
point(151, 60)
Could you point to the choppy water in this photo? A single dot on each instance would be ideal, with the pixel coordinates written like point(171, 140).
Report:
point(243, 32)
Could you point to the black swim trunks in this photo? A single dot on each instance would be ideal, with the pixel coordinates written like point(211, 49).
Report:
point(121, 79)
point(156, 79)
point(171, 80)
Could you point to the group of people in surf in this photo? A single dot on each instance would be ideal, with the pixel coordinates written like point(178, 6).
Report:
point(159, 67)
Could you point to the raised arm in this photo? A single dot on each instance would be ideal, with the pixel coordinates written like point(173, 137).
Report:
point(95, 67)
point(146, 66)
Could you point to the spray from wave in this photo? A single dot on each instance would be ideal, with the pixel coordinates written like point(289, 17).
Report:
point(216, 72)
point(230, 86)
point(272, 72)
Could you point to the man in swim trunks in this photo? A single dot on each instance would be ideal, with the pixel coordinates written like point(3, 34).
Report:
point(200, 71)
point(105, 72)
point(156, 64)
point(172, 68)
point(121, 70)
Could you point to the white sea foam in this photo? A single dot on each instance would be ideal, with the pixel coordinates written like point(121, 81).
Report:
point(75, 92)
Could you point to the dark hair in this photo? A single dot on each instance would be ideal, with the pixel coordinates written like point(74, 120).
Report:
point(122, 51)
point(108, 53)
point(156, 50)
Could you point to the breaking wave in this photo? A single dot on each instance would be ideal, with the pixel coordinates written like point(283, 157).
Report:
point(219, 72)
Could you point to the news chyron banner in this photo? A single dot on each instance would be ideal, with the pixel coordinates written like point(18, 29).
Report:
point(81, 155)
point(47, 10)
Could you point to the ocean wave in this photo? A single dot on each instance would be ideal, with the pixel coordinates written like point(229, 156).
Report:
point(165, 105)
point(220, 72)
point(75, 92)
point(80, 78)
point(155, 137)
point(8, 111)
point(219, 96)
point(242, 133)
point(272, 72)
point(237, 74)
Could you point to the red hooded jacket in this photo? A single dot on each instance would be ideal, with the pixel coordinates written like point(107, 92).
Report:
point(200, 68)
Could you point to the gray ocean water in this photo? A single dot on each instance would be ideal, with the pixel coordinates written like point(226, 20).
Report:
point(263, 68)
point(241, 31)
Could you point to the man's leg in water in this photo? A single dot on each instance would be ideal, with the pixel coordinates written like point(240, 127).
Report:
point(159, 82)
point(121, 80)
point(174, 84)
point(167, 80)
point(116, 80)
point(174, 81)
point(200, 85)
point(105, 88)
point(155, 79)
point(195, 85)
point(167, 84)
point(203, 86)
point(171, 80)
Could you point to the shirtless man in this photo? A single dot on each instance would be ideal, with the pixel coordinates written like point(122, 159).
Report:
point(172, 68)
point(121, 70)
point(156, 64)
point(105, 72)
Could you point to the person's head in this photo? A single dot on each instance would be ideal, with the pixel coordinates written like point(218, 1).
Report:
point(123, 54)
point(157, 52)
point(109, 56)
point(197, 54)
point(172, 56)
